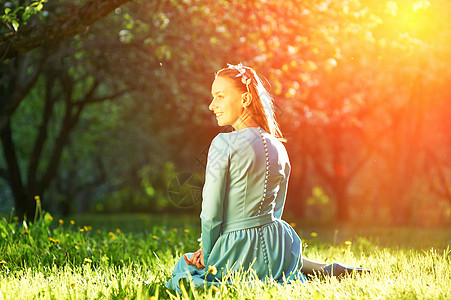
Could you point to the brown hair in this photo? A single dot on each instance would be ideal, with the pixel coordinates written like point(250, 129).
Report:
point(260, 95)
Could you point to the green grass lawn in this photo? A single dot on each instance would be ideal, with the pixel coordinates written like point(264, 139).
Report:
point(132, 257)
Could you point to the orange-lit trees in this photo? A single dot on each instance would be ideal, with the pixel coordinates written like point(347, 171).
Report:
point(360, 86)
point(355, 83)
point(410, 88)
point(307, 50)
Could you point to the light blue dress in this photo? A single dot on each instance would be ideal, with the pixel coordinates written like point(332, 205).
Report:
point(243, 199)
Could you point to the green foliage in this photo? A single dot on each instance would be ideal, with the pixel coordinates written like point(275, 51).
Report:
point(132, 257)
point(319, 205)
point(48, 242)
point(19, 15)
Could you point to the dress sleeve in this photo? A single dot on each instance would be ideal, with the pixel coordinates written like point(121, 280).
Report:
point(281, 194)
point(214, 192)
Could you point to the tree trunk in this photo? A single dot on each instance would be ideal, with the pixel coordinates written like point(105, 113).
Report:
point(342, 212)
point(24, 200)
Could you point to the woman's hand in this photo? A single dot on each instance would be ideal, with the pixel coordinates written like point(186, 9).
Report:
point(197, 259)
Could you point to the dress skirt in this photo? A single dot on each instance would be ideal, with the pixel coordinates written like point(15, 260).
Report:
point(270, 251)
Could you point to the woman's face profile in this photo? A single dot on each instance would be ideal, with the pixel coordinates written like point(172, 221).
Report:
point(227, 102)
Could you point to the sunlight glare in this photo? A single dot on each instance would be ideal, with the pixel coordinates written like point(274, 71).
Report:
point(420, 4)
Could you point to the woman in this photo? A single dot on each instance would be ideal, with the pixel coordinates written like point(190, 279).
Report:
point(244, 193)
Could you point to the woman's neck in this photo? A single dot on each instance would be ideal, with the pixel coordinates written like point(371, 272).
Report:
point(246, 120)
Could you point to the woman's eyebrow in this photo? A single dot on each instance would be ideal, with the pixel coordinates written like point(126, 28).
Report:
point(215, 93)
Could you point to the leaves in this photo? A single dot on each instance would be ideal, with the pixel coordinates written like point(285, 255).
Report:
point(16, 20)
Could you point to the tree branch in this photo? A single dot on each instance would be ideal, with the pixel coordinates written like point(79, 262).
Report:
point(69, 122)
point(42, 134)
point(18, 88)
point(359, 165)
point(91, 100)
point(14, 44)
point(445, 191)
point(321, 169)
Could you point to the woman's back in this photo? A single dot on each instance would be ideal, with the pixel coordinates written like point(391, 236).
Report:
point(248, 170)
point(243, 198)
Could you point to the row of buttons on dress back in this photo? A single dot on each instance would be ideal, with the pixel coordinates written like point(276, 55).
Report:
point(265, 252)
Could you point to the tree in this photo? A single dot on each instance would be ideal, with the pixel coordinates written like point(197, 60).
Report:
point(89, 69)
point(70, 23)
point(19, 81)
point(349, 72)
point(13, 44)
point(360, 88)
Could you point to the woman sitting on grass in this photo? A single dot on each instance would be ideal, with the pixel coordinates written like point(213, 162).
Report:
point(244, 193)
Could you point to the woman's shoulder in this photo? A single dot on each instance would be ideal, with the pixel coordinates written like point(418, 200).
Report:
point(278, 146)
point(245, 137)
point(246, 133)
point(221, 139)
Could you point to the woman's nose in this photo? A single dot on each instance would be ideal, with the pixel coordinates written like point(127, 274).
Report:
point(212, 105)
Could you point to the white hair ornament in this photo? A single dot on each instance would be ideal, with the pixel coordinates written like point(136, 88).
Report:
point(241, 73)
point(265, 98)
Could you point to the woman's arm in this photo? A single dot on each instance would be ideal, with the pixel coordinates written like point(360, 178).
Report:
point(214, 192)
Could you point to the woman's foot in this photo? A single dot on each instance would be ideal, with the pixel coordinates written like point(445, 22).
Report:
point(340, 270)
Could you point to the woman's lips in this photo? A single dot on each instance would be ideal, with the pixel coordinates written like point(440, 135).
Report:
point(218, 114)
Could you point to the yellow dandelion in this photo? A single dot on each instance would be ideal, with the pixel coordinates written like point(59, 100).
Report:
point(73, 283)
point(174, 229)
point(26, 231)
point(212, 270)
point(214, 288)
point(87, 260)
point(186, 230)
point(48, 217)
point(67, 234)
point(112, 235)
point(118, 230)
point(314, 234)
point(169, 240)
point(61, 221)
point(82, 229)
point(37, 198)
point(15, 218)
point(72, 222)
point(2, 262)
point(89, 227)
point(154, 237)
point(53, 240)
point(348, 243)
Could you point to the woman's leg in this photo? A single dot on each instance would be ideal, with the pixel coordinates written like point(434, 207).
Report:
point(311, 267)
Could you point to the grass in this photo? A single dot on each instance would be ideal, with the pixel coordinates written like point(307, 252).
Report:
point(132, 257)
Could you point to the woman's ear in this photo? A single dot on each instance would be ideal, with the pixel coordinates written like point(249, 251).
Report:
point(246, 99)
